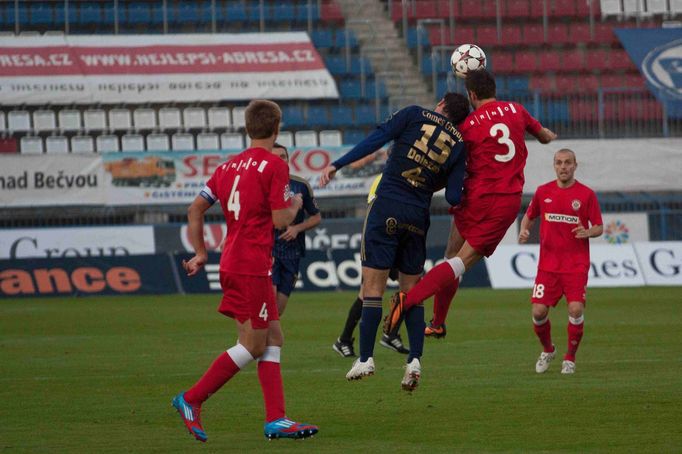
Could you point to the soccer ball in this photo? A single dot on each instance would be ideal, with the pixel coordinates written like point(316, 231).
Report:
point(467, 57)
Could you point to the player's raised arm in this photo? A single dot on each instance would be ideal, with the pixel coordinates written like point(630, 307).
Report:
point(195, 232)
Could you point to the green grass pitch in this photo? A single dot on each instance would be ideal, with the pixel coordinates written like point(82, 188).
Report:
point(97, 374)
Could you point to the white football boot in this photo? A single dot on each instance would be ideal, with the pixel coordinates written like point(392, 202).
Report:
point(360, 369)
point(543, 361)
point(568, 367)
point(413, 372)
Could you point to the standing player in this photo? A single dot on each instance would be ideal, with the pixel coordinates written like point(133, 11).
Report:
point(290, 241)
point(427, 154)
point(566, 206)
point(254, 194)
point(496, 155)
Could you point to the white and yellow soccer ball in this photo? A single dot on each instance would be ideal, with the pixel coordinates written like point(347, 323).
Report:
point(467, 57)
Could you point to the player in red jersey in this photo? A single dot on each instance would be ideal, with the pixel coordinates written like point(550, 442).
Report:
point(566, 207)
point(253, 190)
point(494, 137)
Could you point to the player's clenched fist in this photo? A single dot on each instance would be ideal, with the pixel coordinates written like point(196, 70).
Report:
point(523, 235)
point(193, 265)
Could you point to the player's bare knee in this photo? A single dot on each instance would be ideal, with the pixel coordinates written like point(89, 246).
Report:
point(576, 309)
point(540, 312)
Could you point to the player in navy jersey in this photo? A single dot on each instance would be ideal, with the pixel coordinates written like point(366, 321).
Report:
point(290, 242)
point(427, 154)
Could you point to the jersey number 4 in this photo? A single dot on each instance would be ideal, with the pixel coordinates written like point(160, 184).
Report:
point(233, 200)
point(504, 139)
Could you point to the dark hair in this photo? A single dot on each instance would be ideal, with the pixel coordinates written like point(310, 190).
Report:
point(481, 83)
point(456, 107)
point(279, 145)
point(262, 118)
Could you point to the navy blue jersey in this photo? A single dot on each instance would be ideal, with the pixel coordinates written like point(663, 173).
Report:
point(427, 155)
point(296, 248)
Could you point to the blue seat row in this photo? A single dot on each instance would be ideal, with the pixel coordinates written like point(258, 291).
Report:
point(336, 116)
point(338, 65)
point(325, 38)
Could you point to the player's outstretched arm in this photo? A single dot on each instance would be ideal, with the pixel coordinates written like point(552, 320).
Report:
point(545, 136)
point(524, 230)
point(195, 232)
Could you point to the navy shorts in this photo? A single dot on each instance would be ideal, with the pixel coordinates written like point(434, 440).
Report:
point(285, 274)
point(394, 235)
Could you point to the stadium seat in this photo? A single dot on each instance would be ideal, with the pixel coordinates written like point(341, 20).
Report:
point(41, 14)
point(589, 83)
point(603, 33)
point(444, 8)
point(534, 34)
point(365, 114)
point(537, 8)
point(634, 80)
point(417, 37)
point(305, 138)
point(144, 118)
point(322, 38)
point(555, 110)
point(107, 143)
point(293, 116)
point(583, 109)
point(551, 60)
point(558, 34)
point(317, 116)
point(94, 120)
point(286, 138)
point(44, 120)
point(69, 120)
point(564, 9)
point(542, 83)
point(120, 119)
point(435, 37)
point(182, 141)
point(138, 12)
point(231, 141)
point(18, 121)
point(305, 14)
point(330, 138)
point(611, 81)
point(518, 9)
point(597, 59)
point(238, 120)
point(82, 144)
point(329, 12)
point(502, 62)
point(620, 59)
point(219, 117)
point(194, 118)
point(511, 35)
point(56, 144)
point(158, 141)
point(132, 142)
point(580, 32)
point(464, 34)
point(573, 60)
point(566, 83)
point(31, 145)
point(517, 84)
point(525, 61)
point(236, 12)
point(346, 36)
point(208, 141)
point(471, 9)
point(284, 12)
point(169, 118)
point(336, 64)
point(89, 13)
point(486, 35)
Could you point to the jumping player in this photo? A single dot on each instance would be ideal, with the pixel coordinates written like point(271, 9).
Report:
point(496, 155)
point(254, 194)
point(566, 207)
point(427, 154)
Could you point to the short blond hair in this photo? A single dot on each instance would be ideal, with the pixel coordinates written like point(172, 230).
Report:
point(262, 118)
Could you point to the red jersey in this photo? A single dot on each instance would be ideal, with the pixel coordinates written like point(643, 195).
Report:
point(249, 186)
point(494, 135)
point(562, 210)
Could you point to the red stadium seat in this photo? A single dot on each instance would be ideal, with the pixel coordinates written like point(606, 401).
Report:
point(435, 37)
point(634, 80)
point(582, 8)
point(489, 9)
point(583, 109)
point(534, 34)
point(426, 9)
point(511, 35)
point(471, 9)
point(525, 61)
point(650, 109)
point(551, 61)
point(588, 83)
point(566, 83)
point(331, 12)
point(573, 60)
point(580, 32)
point(563, 8)
point(597, 59)
point(603, 34)
point(486, 35)
point(397, 10)
point(619, 59)
point(537, 9)
point(464, 34)
point(444, 8)
point(518, 8)
point(611, 81)
point(502, 62)
point(558, 34)
point(542, 83)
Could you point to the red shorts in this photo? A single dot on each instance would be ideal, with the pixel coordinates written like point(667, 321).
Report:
point(484, 221)
point(550, 287)
point(248, 298)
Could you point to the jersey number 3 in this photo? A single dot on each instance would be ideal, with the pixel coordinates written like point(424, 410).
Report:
point(504, 140)
point(233, 200)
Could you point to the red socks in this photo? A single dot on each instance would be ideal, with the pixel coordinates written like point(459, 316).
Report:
point(544, 333)
point(441, 303)
point(575, 334)
point(436, 279)
point(222, 369)
point(270, 377)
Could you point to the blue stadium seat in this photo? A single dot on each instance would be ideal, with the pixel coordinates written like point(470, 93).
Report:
point(89, 13)
point(517, 83)
point(185, 12)
point(293, 116)
point(353, 136)
point(341, 39)
point(236, 12)
point(340, 116)
point(140, 13)
point(356, 63)
point(427, 65)
point(412, 35)
point(317, 116)
point(302, 12)
point(283, 12)
point(41, 14)
point(365, 114)
point(336, 64)
point(555, 110)
point(350, 89)
point(322, 38)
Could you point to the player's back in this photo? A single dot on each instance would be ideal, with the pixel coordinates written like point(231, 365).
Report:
point(244, 187)
point(496, 149)
point(422, 156)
